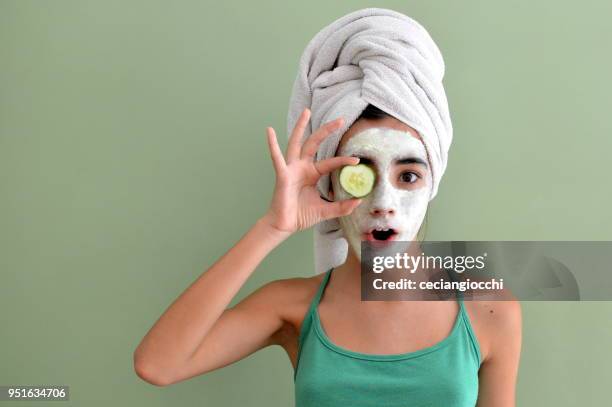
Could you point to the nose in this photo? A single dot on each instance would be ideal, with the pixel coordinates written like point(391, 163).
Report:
point(381, 211)
point(383, 199)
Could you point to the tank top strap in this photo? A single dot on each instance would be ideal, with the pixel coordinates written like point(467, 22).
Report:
point(308, 318)
point(317, 298)
point(466, 320)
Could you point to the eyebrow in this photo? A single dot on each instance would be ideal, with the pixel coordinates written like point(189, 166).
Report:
point(399, 161)
point(410, 160)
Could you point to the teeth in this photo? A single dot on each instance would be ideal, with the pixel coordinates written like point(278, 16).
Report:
point(381, 229)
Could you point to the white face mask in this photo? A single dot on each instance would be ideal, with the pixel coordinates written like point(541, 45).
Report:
point(393, 203)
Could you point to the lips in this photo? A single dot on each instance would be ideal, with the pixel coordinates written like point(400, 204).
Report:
point(381, 234)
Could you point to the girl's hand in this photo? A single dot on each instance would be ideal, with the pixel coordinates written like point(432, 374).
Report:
point(296, 204)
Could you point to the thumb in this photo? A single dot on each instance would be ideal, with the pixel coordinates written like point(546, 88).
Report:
point(341, 208)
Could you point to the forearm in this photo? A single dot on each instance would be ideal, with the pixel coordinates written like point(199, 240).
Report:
point(178, 332)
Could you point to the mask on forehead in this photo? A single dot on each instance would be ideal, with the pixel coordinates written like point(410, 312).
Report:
point(396, 202)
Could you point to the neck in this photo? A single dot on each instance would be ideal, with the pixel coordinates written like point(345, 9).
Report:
point(348, 275)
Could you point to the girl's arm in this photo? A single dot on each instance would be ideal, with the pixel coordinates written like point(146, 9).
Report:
point(198, 332)
point(499, 370)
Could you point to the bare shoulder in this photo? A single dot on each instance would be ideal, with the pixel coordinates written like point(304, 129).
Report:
point(288, 298)
point(497, 324)
point(288, 291)
point(498, 313)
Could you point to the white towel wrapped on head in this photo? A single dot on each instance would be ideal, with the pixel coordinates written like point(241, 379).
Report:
point(370, 56)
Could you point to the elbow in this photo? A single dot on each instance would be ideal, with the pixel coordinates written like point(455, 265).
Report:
point(151, 373)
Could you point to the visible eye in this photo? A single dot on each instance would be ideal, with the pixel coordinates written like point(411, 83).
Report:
point(409, 176)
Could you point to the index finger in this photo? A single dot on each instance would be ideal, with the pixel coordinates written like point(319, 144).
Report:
point(312, 144)
point(293, 147)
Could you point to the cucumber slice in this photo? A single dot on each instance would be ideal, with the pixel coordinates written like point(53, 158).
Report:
point(357, 180)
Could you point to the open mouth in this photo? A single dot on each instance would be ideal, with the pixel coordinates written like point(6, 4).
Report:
point(383, 234)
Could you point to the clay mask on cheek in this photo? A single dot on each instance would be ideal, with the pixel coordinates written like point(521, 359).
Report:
point(393, 203)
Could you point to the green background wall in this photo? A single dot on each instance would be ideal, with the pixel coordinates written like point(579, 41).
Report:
point(133, 155)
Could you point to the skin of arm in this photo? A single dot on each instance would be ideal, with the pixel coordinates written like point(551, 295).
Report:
point(198, 333)
point(499, 369)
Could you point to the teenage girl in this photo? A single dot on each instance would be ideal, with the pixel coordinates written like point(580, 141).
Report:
point(344, 351)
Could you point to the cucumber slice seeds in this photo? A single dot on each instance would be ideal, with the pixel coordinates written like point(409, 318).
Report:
point(357, 180)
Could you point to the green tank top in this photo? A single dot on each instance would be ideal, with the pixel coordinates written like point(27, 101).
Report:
point(444, 374)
